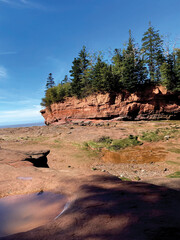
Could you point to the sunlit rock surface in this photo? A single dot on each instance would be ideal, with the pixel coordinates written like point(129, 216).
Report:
point(155, 103)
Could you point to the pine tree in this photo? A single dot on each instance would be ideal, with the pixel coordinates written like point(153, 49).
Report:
point(50, 82)
point(152, 49)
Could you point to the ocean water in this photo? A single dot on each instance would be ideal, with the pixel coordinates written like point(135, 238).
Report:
point(23, 125)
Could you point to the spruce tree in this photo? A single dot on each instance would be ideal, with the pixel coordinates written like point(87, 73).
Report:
point(84, 65)
point(168, 77)
point(50, 82)
point(83, 57)
point(132, 69)
point(98, 76)
point(76, 83)
point(65, 80)
point(117, 60)
point(152, 49)
point(177, 69)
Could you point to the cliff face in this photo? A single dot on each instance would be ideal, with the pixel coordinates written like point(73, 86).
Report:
point(154, 103)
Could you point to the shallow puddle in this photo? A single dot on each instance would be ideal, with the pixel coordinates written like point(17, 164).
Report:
point(135, 155)
point(21, 213)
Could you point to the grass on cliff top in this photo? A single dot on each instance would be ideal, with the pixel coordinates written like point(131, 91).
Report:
point(110, 144)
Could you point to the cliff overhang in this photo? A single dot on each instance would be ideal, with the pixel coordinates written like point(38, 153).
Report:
point(154, 103)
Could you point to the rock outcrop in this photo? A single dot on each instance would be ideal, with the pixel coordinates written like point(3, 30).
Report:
point(154, 103)
point(20, 158)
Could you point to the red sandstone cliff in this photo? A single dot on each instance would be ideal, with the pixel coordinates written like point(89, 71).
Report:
point(152, 104)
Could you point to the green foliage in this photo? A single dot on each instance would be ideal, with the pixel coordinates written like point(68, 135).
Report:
point(117, 61)
point(56, 94)
point(130, 69)
point(50, 81)
point(167, 73)
point(102, 77)
point(174, 175)
point(170, 71)
point(152, 49)
point(95, 145)
point(159, 134)
point(123, 143)
point(80, 74)
point(177, 69)
point(174, 150)
point(125, 179)
point(117, 144)
point(76, 83)
point(173, 163)
point(65, 80)
point(133, 71)
point(105, 139)
point(151, 137)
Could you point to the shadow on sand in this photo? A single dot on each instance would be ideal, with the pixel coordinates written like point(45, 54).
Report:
point(109, 209)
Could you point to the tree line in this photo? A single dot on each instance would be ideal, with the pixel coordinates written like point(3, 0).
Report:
point(130, 69)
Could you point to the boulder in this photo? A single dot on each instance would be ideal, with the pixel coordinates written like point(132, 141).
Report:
point(21, 158)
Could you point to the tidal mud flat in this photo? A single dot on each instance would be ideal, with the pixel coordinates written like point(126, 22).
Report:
point(132, 191)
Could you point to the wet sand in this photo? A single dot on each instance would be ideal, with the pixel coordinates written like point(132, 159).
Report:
point(20, 213)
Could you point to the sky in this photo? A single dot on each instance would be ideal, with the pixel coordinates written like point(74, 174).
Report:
point(38, 37)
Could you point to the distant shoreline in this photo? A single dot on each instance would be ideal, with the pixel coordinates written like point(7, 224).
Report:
point(23, 125)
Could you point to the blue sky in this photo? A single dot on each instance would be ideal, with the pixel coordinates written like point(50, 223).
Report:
point(42, 36)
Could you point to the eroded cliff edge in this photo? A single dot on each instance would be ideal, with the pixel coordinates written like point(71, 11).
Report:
point(154, 103)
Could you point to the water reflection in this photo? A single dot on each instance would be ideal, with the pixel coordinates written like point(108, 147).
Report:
point(136, 155)
point(24, 212)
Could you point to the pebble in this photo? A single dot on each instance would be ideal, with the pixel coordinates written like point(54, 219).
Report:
point(166, 137)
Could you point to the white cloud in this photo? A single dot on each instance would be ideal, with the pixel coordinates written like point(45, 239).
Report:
point(3, 72)
point(24, 4)
point(21, 116)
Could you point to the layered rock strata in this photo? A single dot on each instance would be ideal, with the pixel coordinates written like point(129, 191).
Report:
point(155, 103)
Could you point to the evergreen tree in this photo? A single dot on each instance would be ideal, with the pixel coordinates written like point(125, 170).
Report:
point(170, 71)
point(84, 65)
point(65, 80)
point(79, 74)
point(111, 80)
point(76, 83)
point(117, 61)
point(167, 70)
point(98, 76)
point(152, 49)
point(83, 56)
point(177, 69)
point(132, 69)
point(50, 82)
